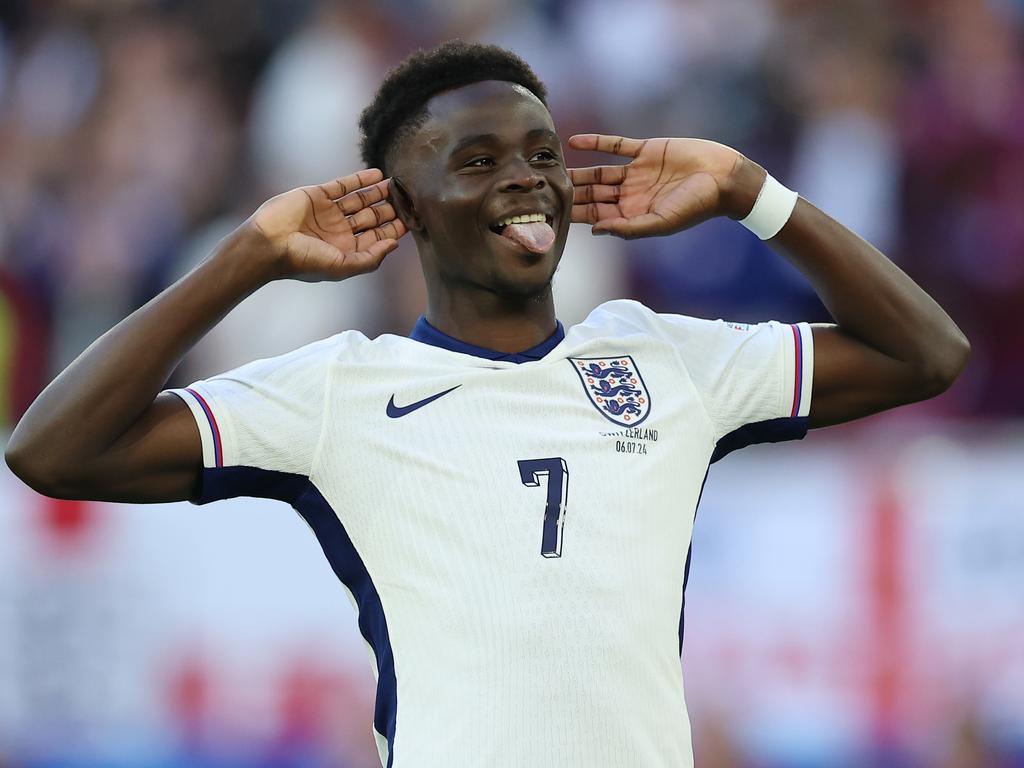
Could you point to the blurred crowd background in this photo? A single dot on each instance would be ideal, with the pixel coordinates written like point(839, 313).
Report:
point(134, 134)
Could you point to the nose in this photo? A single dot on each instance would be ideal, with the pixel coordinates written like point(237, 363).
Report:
point(522, 177)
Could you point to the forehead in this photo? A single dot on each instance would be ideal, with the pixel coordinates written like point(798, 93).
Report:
point(491, 106)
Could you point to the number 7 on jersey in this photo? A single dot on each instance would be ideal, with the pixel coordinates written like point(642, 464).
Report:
point(557, 473)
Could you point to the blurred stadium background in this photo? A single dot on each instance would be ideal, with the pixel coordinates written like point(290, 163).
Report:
point(855, 600)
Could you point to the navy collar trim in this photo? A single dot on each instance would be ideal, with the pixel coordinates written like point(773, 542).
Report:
point(428, 334)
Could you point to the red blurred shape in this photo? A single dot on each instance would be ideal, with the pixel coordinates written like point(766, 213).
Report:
point(66, 522)
point(190, 691)
point(887, 609)
point(306, 689)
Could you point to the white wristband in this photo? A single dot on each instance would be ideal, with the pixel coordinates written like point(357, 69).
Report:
point(772, 209)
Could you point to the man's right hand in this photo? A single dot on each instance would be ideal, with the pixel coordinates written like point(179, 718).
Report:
point(77, 441)
point(329, 231)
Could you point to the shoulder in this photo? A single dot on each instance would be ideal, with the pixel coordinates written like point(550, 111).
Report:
point(697, 340)
point(627, 315)
point(301, 363)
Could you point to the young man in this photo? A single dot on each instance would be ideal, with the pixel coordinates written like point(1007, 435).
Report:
point(509, 503)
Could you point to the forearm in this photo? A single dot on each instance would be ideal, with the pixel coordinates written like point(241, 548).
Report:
point(869, 297)
point(86, 408)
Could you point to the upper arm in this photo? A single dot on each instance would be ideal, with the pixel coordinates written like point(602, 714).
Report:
point(264, 416)
point(257, 422)
point(159, 458)
point(747, 374)
point(754, 381)
point(852, 380)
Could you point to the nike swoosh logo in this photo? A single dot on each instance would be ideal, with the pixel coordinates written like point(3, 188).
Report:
point(397, 412)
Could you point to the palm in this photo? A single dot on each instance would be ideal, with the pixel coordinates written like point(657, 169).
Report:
point(332, 231)
point(668, 185)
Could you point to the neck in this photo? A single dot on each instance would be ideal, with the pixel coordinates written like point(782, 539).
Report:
point(495, 321)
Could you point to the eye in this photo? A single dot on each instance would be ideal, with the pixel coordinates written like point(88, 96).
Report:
point(480, 162)
point(545, 155)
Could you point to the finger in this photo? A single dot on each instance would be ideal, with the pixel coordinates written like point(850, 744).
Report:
point(634, 226)
point(598, 174)
point(599, 142)
point(345, 184)
point(392, 230)
point(591, 213)
point(363, 197)
point(361, 262)
point(371, 217)
point(595, 193)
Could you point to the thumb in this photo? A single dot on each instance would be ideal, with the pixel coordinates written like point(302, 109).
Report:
point(361, 262)
point(607, 227)
point(316, 260)
point(628, 228)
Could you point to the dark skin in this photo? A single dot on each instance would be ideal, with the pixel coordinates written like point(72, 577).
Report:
point(891, 343)
point(487, 151)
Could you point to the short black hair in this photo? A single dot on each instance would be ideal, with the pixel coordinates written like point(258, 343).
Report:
point(399, 106)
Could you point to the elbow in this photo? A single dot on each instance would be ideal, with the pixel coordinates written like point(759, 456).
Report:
point(945, 366)
point(35, 474)
point(25, 469)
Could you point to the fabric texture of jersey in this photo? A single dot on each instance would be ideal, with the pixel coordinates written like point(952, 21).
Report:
point(514, 534)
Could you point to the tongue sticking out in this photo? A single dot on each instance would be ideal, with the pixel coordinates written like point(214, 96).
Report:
point(535, 237)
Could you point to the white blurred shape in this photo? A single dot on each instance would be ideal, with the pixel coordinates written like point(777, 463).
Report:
point(592, 271)
point(628, 68)
point(306, 108)
point(847, 163)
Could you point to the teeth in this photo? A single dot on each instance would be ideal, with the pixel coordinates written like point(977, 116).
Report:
point(525, 218)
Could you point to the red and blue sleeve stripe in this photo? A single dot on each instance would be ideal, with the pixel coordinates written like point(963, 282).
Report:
point(218, 450)
point(798, 373)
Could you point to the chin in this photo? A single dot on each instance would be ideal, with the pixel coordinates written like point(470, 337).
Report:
point(533, 280)
point(524, 291)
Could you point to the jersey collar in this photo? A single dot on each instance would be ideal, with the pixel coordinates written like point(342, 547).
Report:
point(428, 334)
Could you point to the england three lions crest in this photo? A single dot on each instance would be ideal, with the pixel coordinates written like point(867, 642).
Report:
point(615, 388)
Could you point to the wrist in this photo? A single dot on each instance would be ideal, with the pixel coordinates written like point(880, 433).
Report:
point(254, 256)
point(772, 209)
point(741, 188)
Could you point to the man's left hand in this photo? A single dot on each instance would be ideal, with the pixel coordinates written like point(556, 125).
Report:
point(667, 186)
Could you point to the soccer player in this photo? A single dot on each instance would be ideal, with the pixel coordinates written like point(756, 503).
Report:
point(508, 502)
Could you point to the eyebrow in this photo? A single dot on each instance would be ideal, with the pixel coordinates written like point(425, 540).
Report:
point(493, 138)
point(480, 138)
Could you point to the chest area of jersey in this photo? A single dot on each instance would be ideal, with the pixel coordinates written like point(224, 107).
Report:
point(603, 408)
point(608, 440)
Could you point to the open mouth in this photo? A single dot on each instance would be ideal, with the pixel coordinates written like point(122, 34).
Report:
point(530, 231)
point(501, 227)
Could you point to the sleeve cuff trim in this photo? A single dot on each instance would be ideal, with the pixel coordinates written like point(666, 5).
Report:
point(803, 351)
point(213, 448)
point(218, 449)
point(799, 363)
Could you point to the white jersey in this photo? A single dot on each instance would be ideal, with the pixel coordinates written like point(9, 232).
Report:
point(514, 530)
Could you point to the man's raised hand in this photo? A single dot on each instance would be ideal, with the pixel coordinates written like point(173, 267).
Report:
point(667, 186)
point(330, 231)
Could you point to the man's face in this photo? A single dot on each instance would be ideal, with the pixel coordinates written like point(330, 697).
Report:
point(487, 151)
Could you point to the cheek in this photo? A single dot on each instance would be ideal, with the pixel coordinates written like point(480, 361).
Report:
point(462, 194)
point(565, 192)
point(560, 181)
point(456, 213)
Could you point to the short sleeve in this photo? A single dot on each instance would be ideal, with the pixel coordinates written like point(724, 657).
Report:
point(754, 380)
point(261, 420)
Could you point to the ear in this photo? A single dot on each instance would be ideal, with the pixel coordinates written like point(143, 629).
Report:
point(404, 207)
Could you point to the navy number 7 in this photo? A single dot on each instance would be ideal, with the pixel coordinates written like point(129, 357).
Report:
point(557, 473)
